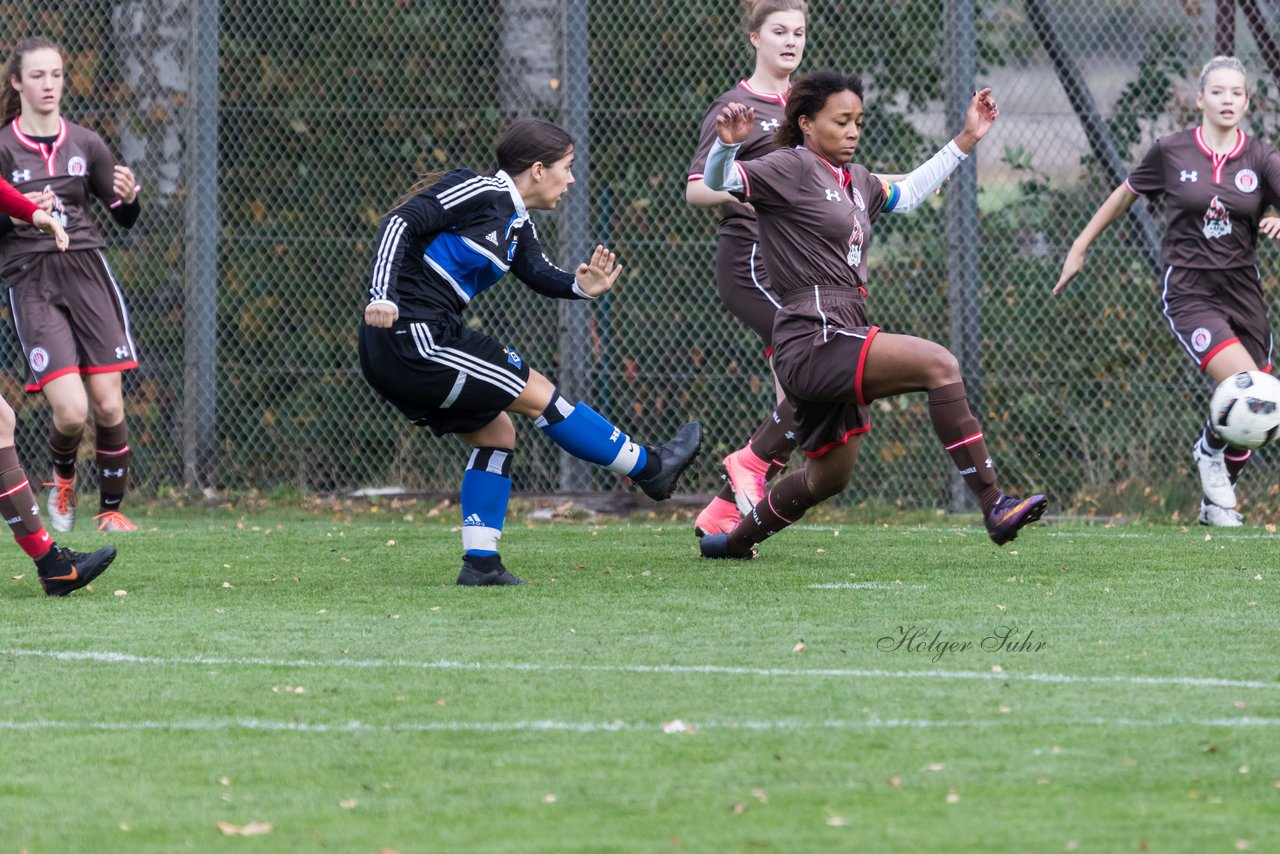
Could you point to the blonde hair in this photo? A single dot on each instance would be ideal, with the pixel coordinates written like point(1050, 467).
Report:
point(759, 10)
point(1218, 63)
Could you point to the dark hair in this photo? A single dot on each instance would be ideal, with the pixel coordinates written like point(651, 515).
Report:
point(524, 143)
point(529, 141)
point(808, 96)
point(11, 102)
point(759, 10)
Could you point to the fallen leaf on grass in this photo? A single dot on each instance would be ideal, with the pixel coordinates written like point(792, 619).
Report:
point(124, 825)
point(934, 766)
point(798, 648)
point(953, 797)
point(253, 828)
point(894, 782)
point(348, 804)
point(225, 781)
point(739, 809)
point(836, 821)
point(19, 577)
point(226, 585)
point(760, 795)
point(548, 798)
point(121, 593)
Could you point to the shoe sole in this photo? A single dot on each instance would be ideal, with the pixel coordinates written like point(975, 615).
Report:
point(679, 472)
point(1031, 514)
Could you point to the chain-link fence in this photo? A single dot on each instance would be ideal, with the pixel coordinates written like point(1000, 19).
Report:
point(271, 142)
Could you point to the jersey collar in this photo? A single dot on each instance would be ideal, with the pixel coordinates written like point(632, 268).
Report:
point(841, 175)
point(1219, 160)
point(767, 96)
point(522, 213)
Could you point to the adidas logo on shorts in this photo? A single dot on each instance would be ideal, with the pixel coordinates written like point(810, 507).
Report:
point(492, 237)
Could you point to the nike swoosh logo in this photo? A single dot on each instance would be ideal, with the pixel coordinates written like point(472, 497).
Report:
point(73, 576)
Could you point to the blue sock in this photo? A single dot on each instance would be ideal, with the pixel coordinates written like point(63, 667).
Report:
point(583, 432)
point(486, 488)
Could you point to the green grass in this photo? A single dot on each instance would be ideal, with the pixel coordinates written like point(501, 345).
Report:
point(554, 739)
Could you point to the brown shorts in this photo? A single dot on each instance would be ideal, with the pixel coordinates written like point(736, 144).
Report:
point(1210, 309)
point(820, 343)
point(743, 283)
point(70, 316)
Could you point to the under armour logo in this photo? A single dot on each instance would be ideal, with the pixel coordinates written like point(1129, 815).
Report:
point(113, 472)
point(1189, 176)
point(122, 352)
point(833, 195)
point(20, 175)
point(771, 124)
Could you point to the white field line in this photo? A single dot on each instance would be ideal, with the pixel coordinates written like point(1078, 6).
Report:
point(698, 669)
point(868, 585)
point(360, 727)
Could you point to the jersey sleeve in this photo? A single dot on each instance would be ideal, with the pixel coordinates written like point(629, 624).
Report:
point(1148, 179)
point(532, 266)
point(1271, 182)
point(770, 181)
point(15, 204)
point(102, 168)
point(874, 193)
point(706, 136)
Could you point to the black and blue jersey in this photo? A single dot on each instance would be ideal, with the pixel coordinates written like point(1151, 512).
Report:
point(455, 239)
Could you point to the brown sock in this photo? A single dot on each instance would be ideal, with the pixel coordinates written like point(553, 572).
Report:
point(64, 450)
point(113, 465)
point(18, 504)
point(1236, 459)
point(782, 505)
point(775, 439)
point(726, 493)
point(962, 437)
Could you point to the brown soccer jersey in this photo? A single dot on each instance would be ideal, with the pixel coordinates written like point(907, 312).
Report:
point(770, 114)
point(1212, 201)
point(815, 219)
point(76, 165)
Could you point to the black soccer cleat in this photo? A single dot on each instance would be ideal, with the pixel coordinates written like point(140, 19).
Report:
point(717, 546)
point(675, 456)
point(485, 571)
point(1009, 515)
point(73, 570)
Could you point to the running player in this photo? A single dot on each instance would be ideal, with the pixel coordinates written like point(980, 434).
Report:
point(816, 210)
point(1216, 182)
point(776, 31)
point(60, 570)
point(446, 241)
point(67, 307)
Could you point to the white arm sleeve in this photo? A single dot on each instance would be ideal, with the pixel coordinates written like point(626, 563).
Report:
point(908, 193)
point(719, 173)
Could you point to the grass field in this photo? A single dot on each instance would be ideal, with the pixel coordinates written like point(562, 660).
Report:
point(320, 673)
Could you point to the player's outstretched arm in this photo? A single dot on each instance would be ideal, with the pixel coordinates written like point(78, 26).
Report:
point(597, 276)
point(1269, 226)
point(1112, 209)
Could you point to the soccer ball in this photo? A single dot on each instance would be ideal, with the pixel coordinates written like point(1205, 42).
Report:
point(1245, 409)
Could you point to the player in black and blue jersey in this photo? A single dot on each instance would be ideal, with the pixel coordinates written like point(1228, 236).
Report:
point(446, 241)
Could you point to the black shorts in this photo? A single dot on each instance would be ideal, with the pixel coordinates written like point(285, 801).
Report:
point(1209, 309)
point(820, 342)
point(441, 374)
point(744, 286)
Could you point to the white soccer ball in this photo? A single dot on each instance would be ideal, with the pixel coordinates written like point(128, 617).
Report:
point(1245, 409)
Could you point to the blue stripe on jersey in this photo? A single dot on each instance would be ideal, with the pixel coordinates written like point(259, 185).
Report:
point(472, 270)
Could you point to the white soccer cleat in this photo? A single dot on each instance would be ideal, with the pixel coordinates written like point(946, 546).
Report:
point(1214, 479)
point(1219, 517)
point(62, 503)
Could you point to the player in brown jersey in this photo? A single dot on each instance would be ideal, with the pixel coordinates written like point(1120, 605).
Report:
point(68, 310)
point(816, 210)
point(1216, 182)
point(60, 570)
point(776, 32)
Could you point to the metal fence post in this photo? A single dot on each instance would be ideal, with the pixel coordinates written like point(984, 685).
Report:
point(960, 50)
point(203, 227)
point(575, 329)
